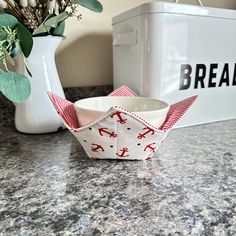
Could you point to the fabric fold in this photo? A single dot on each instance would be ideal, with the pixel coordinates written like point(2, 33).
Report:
point(109, 138)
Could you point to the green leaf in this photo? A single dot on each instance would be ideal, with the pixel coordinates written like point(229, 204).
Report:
point(26, 40)
point(92, 5)
point(59, 30)
point(8, 20)
point(42, 30)
point(15, 87)
point(51, 22)
point(55, 20)
point(3, 35)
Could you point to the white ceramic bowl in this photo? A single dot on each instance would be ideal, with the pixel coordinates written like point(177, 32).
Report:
point(151, 110)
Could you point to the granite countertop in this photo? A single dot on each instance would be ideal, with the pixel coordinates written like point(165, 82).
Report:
point(49, 187)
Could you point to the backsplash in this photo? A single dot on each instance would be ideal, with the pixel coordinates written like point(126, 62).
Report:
point(72, 94)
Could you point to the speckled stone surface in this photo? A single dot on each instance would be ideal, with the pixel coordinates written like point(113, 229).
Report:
point(72, 94)
point(49, 187)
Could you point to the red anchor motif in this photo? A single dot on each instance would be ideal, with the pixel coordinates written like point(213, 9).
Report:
point(123, 151)
point(151, 147)
point(104, 130)
point(121, 120)
point(148, 130)
point(96, 148)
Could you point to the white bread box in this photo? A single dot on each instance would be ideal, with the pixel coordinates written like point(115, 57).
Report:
point(172, 51)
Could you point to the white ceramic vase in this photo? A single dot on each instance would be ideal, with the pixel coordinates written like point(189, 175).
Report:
point(37, 115)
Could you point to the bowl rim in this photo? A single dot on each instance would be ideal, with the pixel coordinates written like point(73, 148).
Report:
point(166, 105)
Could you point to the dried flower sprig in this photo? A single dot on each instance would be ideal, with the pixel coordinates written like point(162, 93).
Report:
point(34, 13)
point(24, 19)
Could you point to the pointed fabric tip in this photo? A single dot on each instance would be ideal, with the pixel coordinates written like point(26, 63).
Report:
point(65, 109)
point(176, 111)
point(123, 91)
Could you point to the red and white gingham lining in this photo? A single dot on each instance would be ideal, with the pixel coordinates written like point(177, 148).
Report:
point(66, 110)
point(123, 91)
point(68, 113)
point(176, 111)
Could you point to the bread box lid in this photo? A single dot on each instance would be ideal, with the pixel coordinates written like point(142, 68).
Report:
point(174, 8)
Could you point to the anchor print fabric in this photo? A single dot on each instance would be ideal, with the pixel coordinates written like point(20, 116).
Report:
point(119, 134)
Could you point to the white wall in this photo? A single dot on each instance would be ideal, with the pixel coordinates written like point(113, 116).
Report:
point(85, 57)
